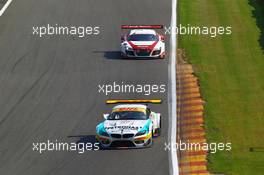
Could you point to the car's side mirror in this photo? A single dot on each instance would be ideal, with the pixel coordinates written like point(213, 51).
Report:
point(106, 116)
point(162, 38)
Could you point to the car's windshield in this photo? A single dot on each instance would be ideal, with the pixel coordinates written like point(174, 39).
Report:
point(142, 37)
point(128, 115)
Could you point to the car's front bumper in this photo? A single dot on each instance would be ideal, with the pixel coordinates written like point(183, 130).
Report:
point(136, 141)
point(133, 54)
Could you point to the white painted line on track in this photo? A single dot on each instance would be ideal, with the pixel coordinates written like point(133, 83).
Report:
point(172, 101)
point(5, 7)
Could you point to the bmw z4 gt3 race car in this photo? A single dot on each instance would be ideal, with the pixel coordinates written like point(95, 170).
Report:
point(142, 41)
point(128, 125)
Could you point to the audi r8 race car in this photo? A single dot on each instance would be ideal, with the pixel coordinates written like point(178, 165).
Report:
point(128, 125)
point(142, 41)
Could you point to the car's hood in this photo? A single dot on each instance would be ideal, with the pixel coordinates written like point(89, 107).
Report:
point(124, 126)
point(142, 43)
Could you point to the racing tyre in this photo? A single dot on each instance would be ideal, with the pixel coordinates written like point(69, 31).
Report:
point(123, 56)
point(162, 56)
point(158, 130)
point(150, 141)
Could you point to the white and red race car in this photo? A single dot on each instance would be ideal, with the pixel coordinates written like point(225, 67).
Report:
point(142, 41)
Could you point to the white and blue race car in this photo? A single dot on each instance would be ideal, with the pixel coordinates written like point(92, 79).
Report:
point(128, 125)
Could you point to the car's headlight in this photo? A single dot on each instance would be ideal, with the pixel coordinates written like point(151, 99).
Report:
point(141, 133)
point(103, 133)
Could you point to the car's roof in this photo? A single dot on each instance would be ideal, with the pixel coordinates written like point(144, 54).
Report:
point(142, 31)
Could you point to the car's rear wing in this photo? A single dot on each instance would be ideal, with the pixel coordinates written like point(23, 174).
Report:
point(142, 26)
point(154, 101)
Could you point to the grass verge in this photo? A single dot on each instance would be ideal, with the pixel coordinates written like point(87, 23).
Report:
point(231, 74)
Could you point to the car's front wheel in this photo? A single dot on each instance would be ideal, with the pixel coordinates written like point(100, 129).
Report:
point(162, 56)
point(150, 141)
point(158, 130)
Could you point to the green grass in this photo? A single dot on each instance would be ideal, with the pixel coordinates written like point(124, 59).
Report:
point(231, 75)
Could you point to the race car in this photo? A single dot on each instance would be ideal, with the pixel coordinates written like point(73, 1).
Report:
point(128, 125)
point(142, 41)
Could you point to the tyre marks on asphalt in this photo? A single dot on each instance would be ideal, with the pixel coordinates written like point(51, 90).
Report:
point(190, 122)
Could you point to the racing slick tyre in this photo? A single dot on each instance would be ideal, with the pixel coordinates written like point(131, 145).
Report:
point(162, 57)
point(123, 56)
point(158, 130)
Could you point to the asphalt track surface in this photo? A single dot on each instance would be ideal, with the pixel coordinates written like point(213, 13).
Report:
point(49, 86)
point(2, 2)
